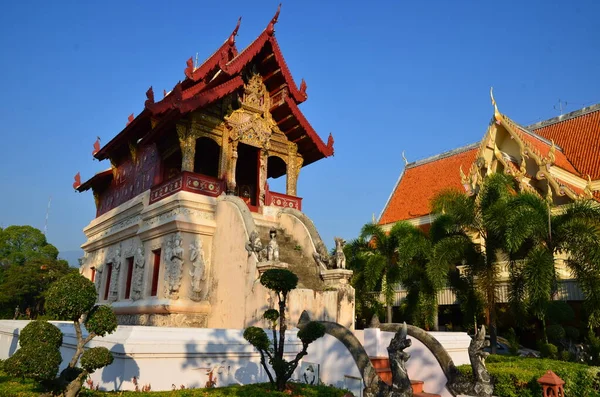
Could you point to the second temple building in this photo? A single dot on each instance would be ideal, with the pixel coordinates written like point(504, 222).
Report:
point(186, 222)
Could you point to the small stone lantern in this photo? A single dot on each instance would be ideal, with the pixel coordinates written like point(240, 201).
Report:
point(552, 385)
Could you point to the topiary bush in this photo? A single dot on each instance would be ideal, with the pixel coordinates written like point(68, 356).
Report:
point(37, 362)
point(40, 331)
point(281, 281)
point(101, 320)
point(96, 357)
point(548, 350)
point(71, 297)
point(39, 356)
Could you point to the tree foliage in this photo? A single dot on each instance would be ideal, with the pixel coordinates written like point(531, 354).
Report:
point(71, 297)
point(280, 281)
point(28, 265)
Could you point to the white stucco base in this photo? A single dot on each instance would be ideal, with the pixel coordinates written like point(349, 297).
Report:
point(164, 356)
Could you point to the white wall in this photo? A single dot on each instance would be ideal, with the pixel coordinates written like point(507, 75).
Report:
point(162, 356)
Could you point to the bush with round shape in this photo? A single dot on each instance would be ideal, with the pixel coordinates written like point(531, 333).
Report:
point(40, 332)
point(96, 357)
point(311, 332)
point(39, 362)
point(271, 315)
point(555, 332)
point(71, 297)
point(279, 280)
point(101, 320)
point(548, 350)
point(257, 338)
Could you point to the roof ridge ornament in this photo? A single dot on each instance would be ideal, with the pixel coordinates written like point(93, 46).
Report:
point(129, 119)
point(231, 40)
point(404, 158)
point(189, 69)
point(497, 114)
point(271, 26)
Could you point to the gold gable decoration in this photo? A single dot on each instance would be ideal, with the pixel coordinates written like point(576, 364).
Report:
point(252, 123)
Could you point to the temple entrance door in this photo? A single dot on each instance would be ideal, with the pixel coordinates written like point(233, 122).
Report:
point(246, 174)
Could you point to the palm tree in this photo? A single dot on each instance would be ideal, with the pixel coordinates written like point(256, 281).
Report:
point(465, 233)
point(536, 236)
point(396, 257)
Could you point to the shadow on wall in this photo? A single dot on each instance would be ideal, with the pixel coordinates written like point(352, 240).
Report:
point(14, 343)
point(123, 369)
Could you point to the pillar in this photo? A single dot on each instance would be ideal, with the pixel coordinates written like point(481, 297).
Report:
point(187, 142)
point(231, 182)
point(262, 176)
point(293, 170)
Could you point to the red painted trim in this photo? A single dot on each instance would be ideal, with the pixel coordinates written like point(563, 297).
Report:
point(118, 139)
point(189, 182)
point(283, 200)
point(100, 175)
point(325, 150)
point(93, 275)
point(211, 95)
point(155, 271)
point(109, 267)
point(129, 277)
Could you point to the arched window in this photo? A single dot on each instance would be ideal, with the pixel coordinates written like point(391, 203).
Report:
point(276, 168)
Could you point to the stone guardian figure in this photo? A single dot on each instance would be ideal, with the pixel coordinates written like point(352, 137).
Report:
point(138, 273)
point(483, 384)
point(398, 357)
point(340, 257)
point(273, 247)
point(198, 272)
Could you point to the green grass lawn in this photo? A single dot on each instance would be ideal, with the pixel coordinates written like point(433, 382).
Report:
point(11, 387)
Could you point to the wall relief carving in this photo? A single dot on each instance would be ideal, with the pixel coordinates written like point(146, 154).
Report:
point(198, 272)
point(173, 266)
point(137, 283)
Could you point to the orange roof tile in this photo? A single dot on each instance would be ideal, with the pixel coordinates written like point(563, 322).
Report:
point(543, 148)
point(578, 134)
point(422, 180)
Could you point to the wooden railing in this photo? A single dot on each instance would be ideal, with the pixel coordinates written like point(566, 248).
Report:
point(283, 200)
point(188, 182)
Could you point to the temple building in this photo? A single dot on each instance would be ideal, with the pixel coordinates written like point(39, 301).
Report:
point(557, 158)
point(185, 220)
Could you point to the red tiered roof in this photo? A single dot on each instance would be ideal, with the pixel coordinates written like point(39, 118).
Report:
point(578, 134)
point(220, 75)
point(423, 180)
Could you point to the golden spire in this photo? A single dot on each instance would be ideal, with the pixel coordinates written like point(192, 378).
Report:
point(496, 111)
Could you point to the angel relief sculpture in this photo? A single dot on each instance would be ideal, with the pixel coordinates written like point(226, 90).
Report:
point(198, 270)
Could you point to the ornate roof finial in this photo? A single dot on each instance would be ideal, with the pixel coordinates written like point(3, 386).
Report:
point(77, 182)
point(496, 112)
point(271, 27)
point(303, 87)
point(404, 158)
point(588, 187)
point(129, 119)
point(231, 40)
point(463, 177)
point(189, 69)
point(149, 96)
point(330, 142)
point(164, 93)
point(96, 146)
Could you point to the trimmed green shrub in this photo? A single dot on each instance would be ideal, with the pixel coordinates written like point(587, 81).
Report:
point(71, 297)
point(101, 320)
point(279, 280)
point(311, 332)
point(40, 331)
point(257, 337)
point(96, 357)
point(548, 350)
point(555, 332)
point(39, 362)
point(517, 376)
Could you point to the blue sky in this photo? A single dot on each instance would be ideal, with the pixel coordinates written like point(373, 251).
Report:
point(383, 77)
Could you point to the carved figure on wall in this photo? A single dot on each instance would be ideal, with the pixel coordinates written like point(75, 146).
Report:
point(138, 273)
point(398, 357)
point(254, 245)
point(340, 257)
point(483, 384)
point(198, 272)
point(114, 277)
point(273, 247)
point(98, 278)
point(174, 266)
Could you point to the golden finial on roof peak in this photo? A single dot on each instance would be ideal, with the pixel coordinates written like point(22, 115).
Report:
point(496, 111)
point(404, 158)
